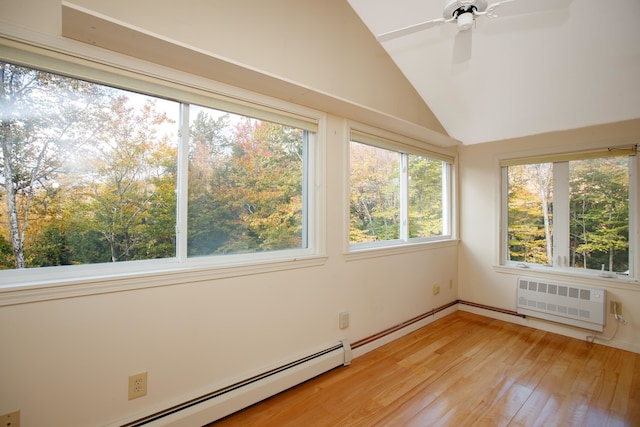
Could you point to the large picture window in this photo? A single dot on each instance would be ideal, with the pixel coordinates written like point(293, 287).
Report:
point(573, 212)
point(397, 195)
point(92, 174)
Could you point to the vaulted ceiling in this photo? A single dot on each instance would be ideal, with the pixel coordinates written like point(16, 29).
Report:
point(540, 66)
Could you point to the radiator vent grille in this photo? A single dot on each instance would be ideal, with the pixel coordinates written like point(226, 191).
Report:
point(570, 304)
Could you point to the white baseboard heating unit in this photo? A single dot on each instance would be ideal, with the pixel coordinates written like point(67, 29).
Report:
point(574, 305)
point(220, 403)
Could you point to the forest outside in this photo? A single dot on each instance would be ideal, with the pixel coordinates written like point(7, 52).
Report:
point(396, 195)
point(90, 174)
point(586, 200)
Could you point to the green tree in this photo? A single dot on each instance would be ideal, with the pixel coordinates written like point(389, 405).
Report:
point(45, 118)
point(211, 219)
point(530, 192)
point(6, 254)
point(132, 170)
point(374, 197)
point(425, 197)
point(159, 237)
point(245, 185)
point(51, 248)
point(266, 172)
point(599, 200)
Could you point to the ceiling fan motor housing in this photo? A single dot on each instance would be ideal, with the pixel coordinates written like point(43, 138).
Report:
point(456, 8)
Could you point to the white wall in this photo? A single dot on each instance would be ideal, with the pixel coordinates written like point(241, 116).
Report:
point(480, 282)
point(320, 45)
point(66, 362)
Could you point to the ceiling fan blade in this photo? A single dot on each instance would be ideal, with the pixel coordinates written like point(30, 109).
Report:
point(462, 47)
point(521, 7)
point(410, 29)
point(490, 12)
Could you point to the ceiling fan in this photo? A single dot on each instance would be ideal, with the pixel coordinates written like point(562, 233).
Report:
point(462, 12)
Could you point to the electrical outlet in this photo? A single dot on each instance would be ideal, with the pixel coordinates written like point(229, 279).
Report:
point(450, 284)
point(11, 419)
point(137, 385)
point(436, 289)
point(344, 320)
point(618, 307)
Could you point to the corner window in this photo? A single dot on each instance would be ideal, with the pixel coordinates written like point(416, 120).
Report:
point(572, 212)
point(96, 175)
point(397, 195)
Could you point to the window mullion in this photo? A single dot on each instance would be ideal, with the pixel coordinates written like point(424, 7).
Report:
point(306, 174)
point(446, 199)
point(183, 184)
point(561, 232)
point(504, 215)
point(634, 216)
point(404, 197)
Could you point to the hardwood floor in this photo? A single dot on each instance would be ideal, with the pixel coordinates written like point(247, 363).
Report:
point(466, 370)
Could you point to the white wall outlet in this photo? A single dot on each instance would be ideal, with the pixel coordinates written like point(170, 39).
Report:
point(436, 289)
point(343, 320)
point(12, 419)
point(137, 385)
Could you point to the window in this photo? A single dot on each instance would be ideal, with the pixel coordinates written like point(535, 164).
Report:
point(246, 191)
point(397, 195)
point(92, 174)
point(572, 212)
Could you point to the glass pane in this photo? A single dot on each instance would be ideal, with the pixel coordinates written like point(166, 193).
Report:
point(375, 194)
point(245, 184)
point(599, 214)
point(88, 172)
point(425, 197)
point(530, 207)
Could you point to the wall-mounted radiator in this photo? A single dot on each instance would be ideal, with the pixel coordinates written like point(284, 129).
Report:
point(569, 304)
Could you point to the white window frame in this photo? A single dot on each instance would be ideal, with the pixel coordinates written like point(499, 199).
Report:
point(36, 284)
point(560, 250)
point(405, 146)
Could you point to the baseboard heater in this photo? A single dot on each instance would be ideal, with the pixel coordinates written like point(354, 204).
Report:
point(573, 305)
point(220, 403)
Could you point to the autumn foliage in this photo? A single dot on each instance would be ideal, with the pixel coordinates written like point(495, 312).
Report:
point(90, 175)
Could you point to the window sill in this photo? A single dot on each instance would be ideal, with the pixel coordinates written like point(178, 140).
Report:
point(37, 291)
point(357, 254)
point(570, 276)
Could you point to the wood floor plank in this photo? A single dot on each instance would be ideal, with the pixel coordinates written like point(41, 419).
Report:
point(466, 370)
point(633, 410)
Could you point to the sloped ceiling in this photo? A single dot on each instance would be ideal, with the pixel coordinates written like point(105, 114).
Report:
point(541, 66)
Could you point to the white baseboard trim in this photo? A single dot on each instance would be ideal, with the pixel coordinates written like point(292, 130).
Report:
point(548, 326)
point(218, 404)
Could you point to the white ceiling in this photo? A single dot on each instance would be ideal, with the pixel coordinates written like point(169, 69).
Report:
point(543, 65)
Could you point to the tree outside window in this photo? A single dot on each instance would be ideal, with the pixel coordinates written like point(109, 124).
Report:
point(397, 196)
point(570, 213)
point(90, 175)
